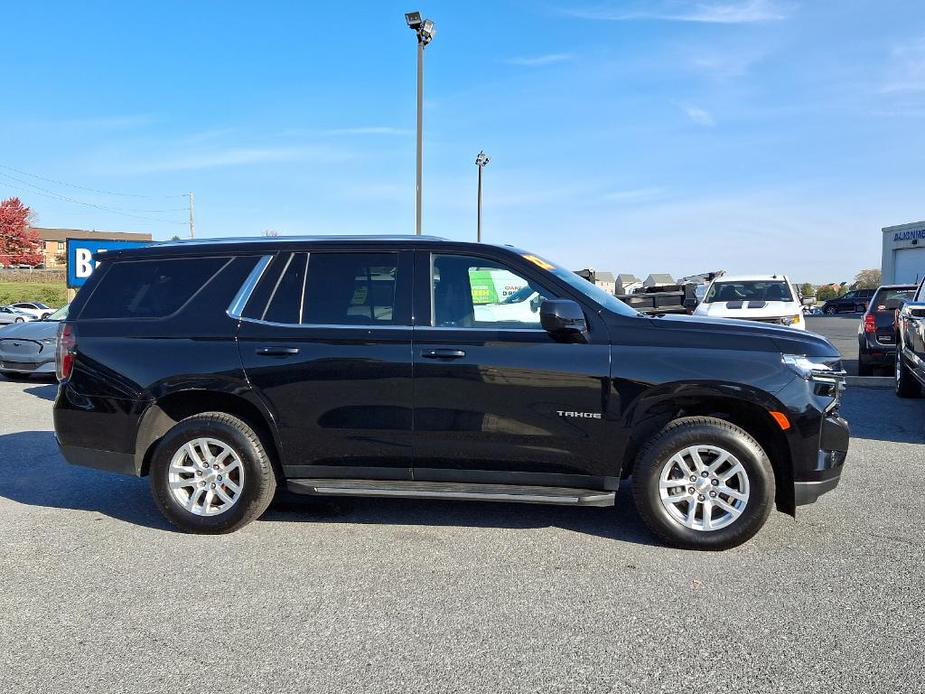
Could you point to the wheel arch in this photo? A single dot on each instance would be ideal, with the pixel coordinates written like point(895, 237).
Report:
point(173, 407)
point(745, 407)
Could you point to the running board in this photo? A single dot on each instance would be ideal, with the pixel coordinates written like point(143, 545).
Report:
point(453, 490)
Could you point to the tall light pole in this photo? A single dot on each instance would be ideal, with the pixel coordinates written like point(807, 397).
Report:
point(425, 30)
point(192, 219)
point(481, 161)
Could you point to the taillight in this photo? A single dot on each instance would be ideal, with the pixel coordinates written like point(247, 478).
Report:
point(870, 323)
point(67, 345)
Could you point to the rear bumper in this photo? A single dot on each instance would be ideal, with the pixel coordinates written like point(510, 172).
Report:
point(874, 353)
point(109, 461)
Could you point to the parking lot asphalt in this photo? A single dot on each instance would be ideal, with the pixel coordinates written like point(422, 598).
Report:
point(99, 594)
point(842, 331)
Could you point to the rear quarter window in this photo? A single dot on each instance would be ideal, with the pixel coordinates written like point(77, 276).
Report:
point(149, 288)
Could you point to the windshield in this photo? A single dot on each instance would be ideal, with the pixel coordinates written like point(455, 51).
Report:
point(60, 314)
point(749, 290)
point(608, 301)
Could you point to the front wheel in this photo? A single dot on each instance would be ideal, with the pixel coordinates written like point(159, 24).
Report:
point(703, 483)
point(906, 385)
point(829, 311)
point(210, 474)
point(19, 320)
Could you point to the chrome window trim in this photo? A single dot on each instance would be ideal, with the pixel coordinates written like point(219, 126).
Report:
point(479, 329)
point(337, 326)
point(236, 307)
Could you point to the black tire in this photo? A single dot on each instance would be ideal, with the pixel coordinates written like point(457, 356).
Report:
point(15, 375)
point(864, 369)
point(19, 320)
point(906, 385)
point(830, 310)
point(259, 480)
point(690, 431)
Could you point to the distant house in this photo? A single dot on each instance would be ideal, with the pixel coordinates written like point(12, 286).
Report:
point(606, 281)
point(54, 241)
point(658, 280)
point(627, 283)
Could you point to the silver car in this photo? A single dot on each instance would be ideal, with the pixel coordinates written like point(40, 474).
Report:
point(9, 315)
point(28, 348)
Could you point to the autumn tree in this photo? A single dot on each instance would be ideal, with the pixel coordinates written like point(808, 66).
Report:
point(867, 279)
point(806, 289)
point(19, 242)
point(828, 291)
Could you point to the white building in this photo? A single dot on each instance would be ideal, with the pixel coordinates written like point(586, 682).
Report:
point(903, 258)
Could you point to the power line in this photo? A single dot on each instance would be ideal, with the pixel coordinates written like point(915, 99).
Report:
point(90, 190)
point(64, 198)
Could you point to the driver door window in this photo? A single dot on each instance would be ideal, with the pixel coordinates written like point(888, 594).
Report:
point(469, 292)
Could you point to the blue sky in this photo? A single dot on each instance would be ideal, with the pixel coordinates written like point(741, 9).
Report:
point(634, 136)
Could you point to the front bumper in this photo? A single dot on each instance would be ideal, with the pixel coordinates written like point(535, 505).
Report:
point(810, 484)
point(27, 367)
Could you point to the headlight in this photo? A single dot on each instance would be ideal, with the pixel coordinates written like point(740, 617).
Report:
point(791, 320)
point(810, 369)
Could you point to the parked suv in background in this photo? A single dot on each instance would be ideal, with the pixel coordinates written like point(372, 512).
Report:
point(361, 366)
point(854, 301)
point(910, 345)
point(877, 329)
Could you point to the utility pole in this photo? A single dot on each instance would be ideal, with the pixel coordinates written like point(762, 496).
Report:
point(192, 223)
point(425, 31)
point(418, 192)
point(481, 161)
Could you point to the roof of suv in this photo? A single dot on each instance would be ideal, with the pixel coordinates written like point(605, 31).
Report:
point(256, 244)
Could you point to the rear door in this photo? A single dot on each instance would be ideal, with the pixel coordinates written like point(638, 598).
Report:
point(497, 399)
point(326, 341)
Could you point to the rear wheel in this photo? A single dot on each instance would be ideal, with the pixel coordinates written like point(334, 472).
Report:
point(703, 483)
point(906, 385)
point(210, 474)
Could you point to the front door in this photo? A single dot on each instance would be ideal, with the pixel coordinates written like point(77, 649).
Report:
point(496, 398)
point(326, 341)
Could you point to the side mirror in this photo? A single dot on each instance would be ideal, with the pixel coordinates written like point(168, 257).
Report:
point(563, 318)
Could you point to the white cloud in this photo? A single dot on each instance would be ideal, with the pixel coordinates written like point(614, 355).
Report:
point(241, 156)
point(708, 12)
point(699, 116)
point(541, 60)
point(907, 72)
point(634, 195)
point(369, 130)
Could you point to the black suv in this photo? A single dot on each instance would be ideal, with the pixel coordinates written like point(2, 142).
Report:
point(855, 301)
point(877, 329)
point(374, 366)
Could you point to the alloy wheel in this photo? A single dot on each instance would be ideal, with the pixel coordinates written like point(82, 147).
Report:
point(206, 477)
point(704, 487)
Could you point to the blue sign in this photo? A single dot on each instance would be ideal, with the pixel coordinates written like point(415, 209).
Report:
point(80, 262)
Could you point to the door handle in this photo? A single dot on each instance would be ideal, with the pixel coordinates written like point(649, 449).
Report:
point(277, 351)
point(443, 354)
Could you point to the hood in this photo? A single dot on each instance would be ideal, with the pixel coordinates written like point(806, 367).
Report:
point(719, 333)
point(36, 330)
point(747, 309)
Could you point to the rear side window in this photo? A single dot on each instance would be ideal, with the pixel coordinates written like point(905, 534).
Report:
point(351, 289)
point(149, 288)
